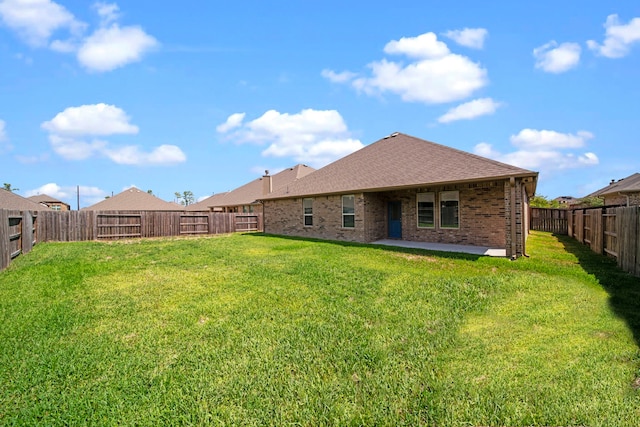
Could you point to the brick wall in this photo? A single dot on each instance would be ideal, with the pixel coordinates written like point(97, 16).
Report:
point(483, 214)
point(285, 217)
point(621, 199)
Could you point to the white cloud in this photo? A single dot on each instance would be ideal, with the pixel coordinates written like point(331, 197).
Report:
point(92, 119)
point(435, 76)
point(470, 110)
point(36, 21)
point(342, 77)
point(110, 48)
point(528, 138)
point(233, 121)
point(618, 37)
point(313, 137)
point(89, 195)
point(544, 151)
point(73, 149)
point(468, 37)
point(69, 129)
point(108, 12)
point(554, 58)
point(132, 155)
point(425, 45)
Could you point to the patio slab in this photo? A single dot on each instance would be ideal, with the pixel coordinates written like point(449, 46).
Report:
point(444, 247)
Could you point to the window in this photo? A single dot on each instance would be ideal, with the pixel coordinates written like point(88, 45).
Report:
point(426, 210)
point(307, 211)
point(55, 207)
point(348, 211)
point(247, 209)
point(449, 209)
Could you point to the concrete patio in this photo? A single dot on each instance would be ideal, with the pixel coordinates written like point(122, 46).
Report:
point(444, 247)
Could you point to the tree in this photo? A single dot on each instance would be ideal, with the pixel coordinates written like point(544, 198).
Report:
point(185, 198)
point(592, 202)
point(8, 187)
point(543, 202)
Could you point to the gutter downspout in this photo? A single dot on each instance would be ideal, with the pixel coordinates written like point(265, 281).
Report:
point(512, 184)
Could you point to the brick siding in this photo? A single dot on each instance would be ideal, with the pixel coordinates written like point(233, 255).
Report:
point(484, 216)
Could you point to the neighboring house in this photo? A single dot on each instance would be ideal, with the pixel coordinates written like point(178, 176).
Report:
point(134, 199)
point(211, 203)
point(403, 187)
point(53, 203)
point(624, 192)
point(246, 199)
point(12, 201)
point(566, 201)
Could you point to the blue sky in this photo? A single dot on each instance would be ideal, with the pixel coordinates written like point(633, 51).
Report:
point(204, 96)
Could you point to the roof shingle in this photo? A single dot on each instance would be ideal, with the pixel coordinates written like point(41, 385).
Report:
point(399, 161)
point(134, 199)
point(9, 200)
point(629, 184)
point(253, 191)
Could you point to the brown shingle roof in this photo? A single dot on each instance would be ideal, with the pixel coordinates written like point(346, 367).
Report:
point(134, 199)
point(203, 205)
point(630, 184)
point(43, 198)
point(253, 191)
point(9, 200)
point(399, 161)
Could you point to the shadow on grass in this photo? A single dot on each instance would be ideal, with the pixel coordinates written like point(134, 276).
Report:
point(622, 287)
point(414, 251)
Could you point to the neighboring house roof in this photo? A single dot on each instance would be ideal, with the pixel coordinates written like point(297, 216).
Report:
point(9, 200)
point(204, 204)
point(566, 200)
point(401, 161)
point(254, 190)
point(46, 199)
point(630, 184)
point(134, 199)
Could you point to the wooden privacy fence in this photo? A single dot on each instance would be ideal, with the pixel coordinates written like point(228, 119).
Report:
point(73, 226)
point(610, 231)
point(18, 234)
point(19, 231)
point(551, 220)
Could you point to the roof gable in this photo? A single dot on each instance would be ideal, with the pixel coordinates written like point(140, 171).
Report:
point(134, 199)
point(630, 184)
point(399, 161)
point(44, 198)
point(10, 200)
point(254, 190)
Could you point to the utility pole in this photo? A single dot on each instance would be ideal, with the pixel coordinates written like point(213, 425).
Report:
point(78, 193)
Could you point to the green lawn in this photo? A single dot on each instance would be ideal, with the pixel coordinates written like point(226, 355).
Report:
point(261, 330)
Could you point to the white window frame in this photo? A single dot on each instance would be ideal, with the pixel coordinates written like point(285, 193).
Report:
point(429, 197)
point(307, 214)
point(450, 196)
point(349, 214)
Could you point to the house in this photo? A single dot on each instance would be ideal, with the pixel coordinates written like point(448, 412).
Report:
point(406, 188)
point(624, 192)
point(246, 199)
point(211, 203)
point(134, 199)
point(53, 203)
point(13, 201)
point(566, 201)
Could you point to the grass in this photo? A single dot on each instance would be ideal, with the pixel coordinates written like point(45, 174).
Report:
point(260, 330)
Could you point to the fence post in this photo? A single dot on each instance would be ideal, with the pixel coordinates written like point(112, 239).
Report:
point(27, 231)
point(5, 255)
